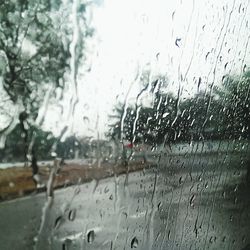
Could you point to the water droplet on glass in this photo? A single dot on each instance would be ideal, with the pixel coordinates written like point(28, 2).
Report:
point(66, 243)
point(244, 68)
point(86, 120)
point(165, 114)
point(177, 42)
point(125, 214)
point(231, 218)
point(134, 243)
point(159, 205)
point(192, 200)
point(169, 234)
point(64, 247)
point(180, 180)
point(53, 154)
point(86, 106)
point(58, 222)
point(207, 55)
point(91, 236)
point(77, 190)
point(72, 214)
point(225, 66)
point(243, 238)
point(106, 189)
point(11, 184)
point(173, 14)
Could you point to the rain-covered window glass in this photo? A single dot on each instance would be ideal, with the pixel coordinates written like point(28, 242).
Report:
point(124, 124)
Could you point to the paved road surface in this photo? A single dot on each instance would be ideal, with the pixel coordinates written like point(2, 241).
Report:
point(186, 202)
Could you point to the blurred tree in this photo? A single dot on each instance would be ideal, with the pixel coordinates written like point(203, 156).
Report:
point(236, 93)
point(146, 124)
point(15, 144)
point(224, 114)
point(35, 38)
point(35, 41)
point(199, 117)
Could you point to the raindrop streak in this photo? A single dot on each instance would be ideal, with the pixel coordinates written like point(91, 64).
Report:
point(91, 236)
point(134, 243)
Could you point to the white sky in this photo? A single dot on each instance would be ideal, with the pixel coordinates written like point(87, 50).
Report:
point(129, 35)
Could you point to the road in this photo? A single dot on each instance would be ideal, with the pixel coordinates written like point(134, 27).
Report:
point(194, 201)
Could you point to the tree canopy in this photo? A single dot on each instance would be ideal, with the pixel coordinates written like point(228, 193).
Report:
point(224, 114)
point(38, 49)
point(35, 38)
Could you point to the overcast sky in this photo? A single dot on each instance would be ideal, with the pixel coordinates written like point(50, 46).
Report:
point(184, 40)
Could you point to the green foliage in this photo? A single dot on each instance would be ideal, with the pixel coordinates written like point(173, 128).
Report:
point(34, 50)
point(237, 104)
point(35, 37)
point(15, 146)
point(44, 144)
point(222, 115)
point(35, 42)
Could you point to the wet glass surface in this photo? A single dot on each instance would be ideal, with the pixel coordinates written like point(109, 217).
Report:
point(124, 124)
